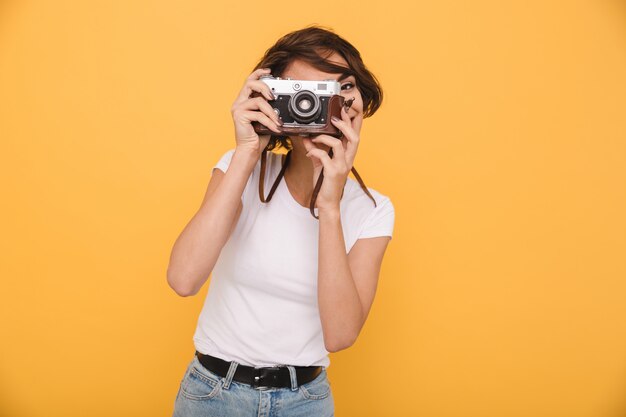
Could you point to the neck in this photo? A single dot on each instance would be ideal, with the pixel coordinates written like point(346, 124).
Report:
point(299, 173)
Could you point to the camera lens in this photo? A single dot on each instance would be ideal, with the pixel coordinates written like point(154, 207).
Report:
point(304, 106)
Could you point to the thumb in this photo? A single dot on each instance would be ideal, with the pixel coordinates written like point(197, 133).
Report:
point(263, 141)
point(308, 145)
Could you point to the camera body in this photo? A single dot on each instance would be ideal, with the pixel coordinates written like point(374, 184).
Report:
point(305, 107)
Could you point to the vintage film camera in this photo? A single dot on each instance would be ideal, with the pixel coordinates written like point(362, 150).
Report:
point(304, 106)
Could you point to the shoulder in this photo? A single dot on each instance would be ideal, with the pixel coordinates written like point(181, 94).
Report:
point(273, 160)
point(364, 217)
point(356, 198)
point(224, 160)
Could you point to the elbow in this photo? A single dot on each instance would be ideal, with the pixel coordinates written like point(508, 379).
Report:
point(183, 292)
point(337, 345)
point(180, 286)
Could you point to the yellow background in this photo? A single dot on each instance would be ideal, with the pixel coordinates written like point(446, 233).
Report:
point(501, 141)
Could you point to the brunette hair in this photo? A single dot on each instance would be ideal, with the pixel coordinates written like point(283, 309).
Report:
point(314, 44)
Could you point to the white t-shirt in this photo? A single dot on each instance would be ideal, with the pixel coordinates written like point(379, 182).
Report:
point(261, 307)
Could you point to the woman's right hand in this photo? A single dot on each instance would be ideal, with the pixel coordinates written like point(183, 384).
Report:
point(246, 109)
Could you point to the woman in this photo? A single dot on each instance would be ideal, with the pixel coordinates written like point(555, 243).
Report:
point(293, 277)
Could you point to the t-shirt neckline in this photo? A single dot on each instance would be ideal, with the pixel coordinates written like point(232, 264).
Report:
point(283, 191)
point(285, 194)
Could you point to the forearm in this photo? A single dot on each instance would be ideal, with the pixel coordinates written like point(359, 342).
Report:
point(340, 307)
point(198, 247)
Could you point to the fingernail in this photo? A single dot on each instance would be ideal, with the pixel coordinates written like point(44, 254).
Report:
point(335, 119)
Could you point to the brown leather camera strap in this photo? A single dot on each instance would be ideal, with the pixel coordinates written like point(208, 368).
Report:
point(363, 186)
point(285, 161)
point(280, 175)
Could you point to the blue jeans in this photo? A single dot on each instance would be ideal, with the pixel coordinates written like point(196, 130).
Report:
point(205, 394)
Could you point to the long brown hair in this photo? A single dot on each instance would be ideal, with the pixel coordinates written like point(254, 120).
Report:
point(314, 44)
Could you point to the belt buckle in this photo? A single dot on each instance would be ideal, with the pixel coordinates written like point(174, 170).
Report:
point(260, 375)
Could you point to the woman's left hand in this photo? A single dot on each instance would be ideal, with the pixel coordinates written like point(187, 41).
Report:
point(337, 168)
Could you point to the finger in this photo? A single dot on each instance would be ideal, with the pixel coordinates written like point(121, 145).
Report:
point(262, 87)
point(258, 103)
point(350, 134)
point(249, 116)
point(344, 125)
point(334, 143)
point(322, 156)
point(251, 86)
point(308, 145)
point(345, 116)
point(356, 123)
point(258, 72)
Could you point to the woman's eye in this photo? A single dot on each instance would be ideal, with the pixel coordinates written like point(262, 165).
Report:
point(350, 84)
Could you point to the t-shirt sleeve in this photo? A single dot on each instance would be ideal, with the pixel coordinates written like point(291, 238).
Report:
point(223, 164)
point(380, 222)
point(224, 161)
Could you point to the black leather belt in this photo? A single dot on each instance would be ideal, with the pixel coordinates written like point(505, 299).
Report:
point(270, 377)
